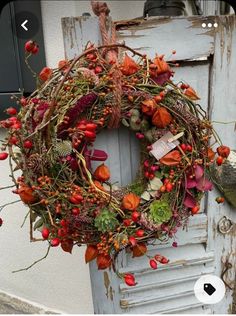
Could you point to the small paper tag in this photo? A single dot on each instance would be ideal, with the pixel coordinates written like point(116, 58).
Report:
point(161, 147)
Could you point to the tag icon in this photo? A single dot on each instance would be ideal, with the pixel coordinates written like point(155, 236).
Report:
point(163, 146)
point(209, 288)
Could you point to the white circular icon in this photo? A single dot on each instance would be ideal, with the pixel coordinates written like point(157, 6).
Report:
point(209, 24)
point(215, 24)
point(204, 25)
point(209, 289)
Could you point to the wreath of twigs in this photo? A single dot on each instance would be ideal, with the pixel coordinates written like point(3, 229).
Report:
point(51, 140)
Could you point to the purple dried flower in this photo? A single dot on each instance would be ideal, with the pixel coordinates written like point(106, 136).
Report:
point(41, 109)
point(148, 223)
point(73, 113)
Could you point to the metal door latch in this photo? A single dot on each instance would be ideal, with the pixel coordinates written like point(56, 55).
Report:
point(227, 266)
point(225, 225)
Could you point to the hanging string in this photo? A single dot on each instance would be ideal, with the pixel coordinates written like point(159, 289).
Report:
point(102, 11)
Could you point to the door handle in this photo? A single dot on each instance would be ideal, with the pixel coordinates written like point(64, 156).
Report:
point(225, 225)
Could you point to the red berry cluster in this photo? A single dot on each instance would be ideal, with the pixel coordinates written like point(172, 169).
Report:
point(223, 152)
point(158, 258)
point(31, 47)
point(149, 169)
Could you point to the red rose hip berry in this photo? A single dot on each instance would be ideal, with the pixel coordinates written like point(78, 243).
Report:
point(139, 233)
point(153, 264)
point(219, 160)
point(3, 156)
point(29, 46)
point(45, 233)
point(28, 144)
point(55, 242)
point(35, 49)
point(11, 111)
point(129, 279)
point(75, 211)
point(135, 216)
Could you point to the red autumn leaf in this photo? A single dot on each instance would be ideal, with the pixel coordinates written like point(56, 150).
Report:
point(139, 250)
point(161, 118)
point(91, 253)
point(67, 245)
point(171, 159)
point(129, 66)
point(103, 262)
point(96, 155)
point(190, 201)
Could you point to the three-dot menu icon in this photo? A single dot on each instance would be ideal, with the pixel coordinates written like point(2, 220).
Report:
point(209, 25)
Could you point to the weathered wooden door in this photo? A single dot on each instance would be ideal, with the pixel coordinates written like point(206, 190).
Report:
point(207, 62)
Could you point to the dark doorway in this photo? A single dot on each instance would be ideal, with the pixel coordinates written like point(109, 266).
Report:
point(15, 77)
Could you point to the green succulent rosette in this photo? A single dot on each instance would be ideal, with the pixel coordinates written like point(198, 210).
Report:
point(160, 211)
point(106, 221)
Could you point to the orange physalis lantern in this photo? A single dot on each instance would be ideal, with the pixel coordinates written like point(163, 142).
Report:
point(129, 66)
point(161, 118)
point(102, 173)
point(131, 201)
point(148, 106)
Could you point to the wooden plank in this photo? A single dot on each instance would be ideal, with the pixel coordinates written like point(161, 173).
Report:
point(223, 108)
point(190, 73)
point(163, 34)
point(125, 155)
point(77, 32)
point(158, 305)
point(135, 155)
point(196, 233)
point(189, 309)
point(165, 278)
point(145, 37)
point(177, 256)
point(105, 289)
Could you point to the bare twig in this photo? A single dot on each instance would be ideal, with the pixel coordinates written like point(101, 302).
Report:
point(34, 263)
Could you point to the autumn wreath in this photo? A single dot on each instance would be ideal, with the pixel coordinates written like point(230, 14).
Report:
point(51, 140)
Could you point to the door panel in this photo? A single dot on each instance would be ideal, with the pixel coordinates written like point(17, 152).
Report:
point(123, 149)
point(9, 75)
point(206, 63)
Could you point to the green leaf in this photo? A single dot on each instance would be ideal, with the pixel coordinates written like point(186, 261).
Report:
point(158, 174)
point(38, 224)
point(145, 196)
point(125, 122)
point(33, 216)
point(155, 183)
